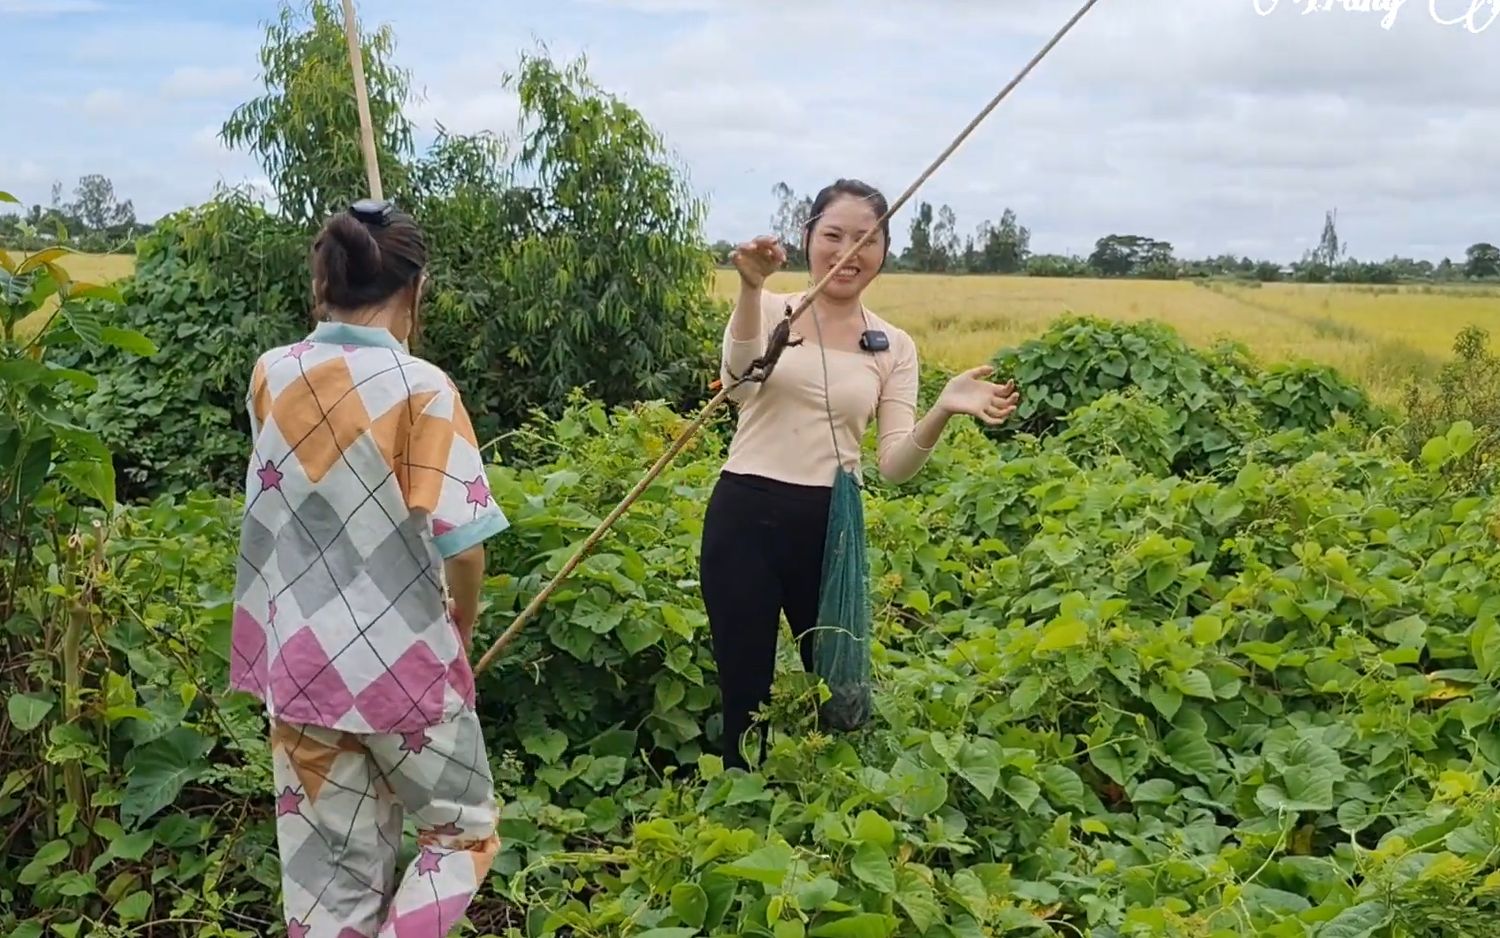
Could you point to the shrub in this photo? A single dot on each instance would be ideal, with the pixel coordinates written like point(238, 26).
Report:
point(1215, 401)
point(592, 275)
point(213, 287)
point(1467, 391)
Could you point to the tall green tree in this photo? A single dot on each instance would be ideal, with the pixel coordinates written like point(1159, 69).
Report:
point(1482, 260)
point(592, 274)
point(305, 128)
point(919, 251)
point(790, 220)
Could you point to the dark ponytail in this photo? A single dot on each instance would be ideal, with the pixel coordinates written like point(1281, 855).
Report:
point(359, 263)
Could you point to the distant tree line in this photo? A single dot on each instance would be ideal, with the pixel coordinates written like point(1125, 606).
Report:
point(936, 246)
point(95, 220)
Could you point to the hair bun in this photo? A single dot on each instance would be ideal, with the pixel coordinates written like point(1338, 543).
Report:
point(350, 259)
point(359, 245)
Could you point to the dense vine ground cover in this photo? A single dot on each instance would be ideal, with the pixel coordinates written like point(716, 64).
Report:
point(1208, 656)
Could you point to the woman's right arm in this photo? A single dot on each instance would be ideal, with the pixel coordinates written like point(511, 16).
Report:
point(744, 339)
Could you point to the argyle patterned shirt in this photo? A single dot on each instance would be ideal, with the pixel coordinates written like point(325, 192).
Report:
point(365, 475)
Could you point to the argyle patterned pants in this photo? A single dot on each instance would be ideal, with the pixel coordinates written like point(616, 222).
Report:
point(340, 805)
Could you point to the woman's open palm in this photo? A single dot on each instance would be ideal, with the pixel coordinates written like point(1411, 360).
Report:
point(969, 393)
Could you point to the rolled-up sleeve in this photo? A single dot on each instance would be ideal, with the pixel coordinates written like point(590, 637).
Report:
point(447, 477)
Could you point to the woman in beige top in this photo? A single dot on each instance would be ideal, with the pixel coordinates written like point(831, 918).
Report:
point(763, 535)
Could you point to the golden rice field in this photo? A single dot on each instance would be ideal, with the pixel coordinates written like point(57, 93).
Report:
point(1378, 335)
point(1375, 335)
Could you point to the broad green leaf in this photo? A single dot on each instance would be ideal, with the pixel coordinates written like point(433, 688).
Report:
point(95, 479)
point(1165, 700)
point(1160, 575)
point(1151, 790)
point(1411, 630)
point(769, 865)
point(133, 908)
point(36, 870)
point(1207, 629)
point(747, 789)
point(1063, 633)
point(128, 340)
point(873, 867)
point(1484, 645)
point(156, 772)
point(1317, 610)
point(1436, 451)
point(40, 259)
point(548, 745)
point(690, 903)
point(1355, 816)
point(1191, 753)
point(667, 933)
point(816, 894)
point(916, 899)
point(604, 771)
point(1064, 784)
point(86, 323)
point(36, 460)
point(979, 765)
point(861, 925)
point(1358, 921)
point(1195, 683)
point(1023, 790)
point(1303, 788)
point(922, 792)
point(7, 197)
point(26, 711)
point(1121, 760)
point(871, 828)
point(1026, 694)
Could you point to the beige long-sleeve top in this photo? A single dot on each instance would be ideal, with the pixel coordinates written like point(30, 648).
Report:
point(783, 431)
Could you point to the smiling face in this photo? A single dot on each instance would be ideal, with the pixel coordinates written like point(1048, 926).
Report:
point(842, 224)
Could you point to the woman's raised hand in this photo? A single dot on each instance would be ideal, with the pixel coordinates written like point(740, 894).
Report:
point(758, 259)
point(969, 393)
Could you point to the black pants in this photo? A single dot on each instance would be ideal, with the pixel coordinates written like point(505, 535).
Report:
point(762, 555)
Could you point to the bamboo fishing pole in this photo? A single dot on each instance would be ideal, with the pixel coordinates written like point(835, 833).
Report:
point(362, 99)
point(509, 635)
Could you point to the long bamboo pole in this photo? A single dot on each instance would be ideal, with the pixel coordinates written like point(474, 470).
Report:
point(362, 98)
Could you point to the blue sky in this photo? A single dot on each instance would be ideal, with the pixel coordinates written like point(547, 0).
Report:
point(1200, 122)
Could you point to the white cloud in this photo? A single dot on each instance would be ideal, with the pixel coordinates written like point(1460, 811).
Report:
point(196, 81)
point(107, 105)
point(49, 7)
point(1196, 121)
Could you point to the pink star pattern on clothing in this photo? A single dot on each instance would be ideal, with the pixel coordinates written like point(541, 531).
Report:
point(429, 862)
point(270, 476)
point(300, 349)
point(295, 929)
point(349, 348)
point(414, 742)
point(479, 491)
point(288, 802)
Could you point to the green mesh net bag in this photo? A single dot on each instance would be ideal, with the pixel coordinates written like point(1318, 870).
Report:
point(841, 638)
point(841, 644)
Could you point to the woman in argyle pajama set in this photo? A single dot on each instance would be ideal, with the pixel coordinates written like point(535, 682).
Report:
point(366, 508)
